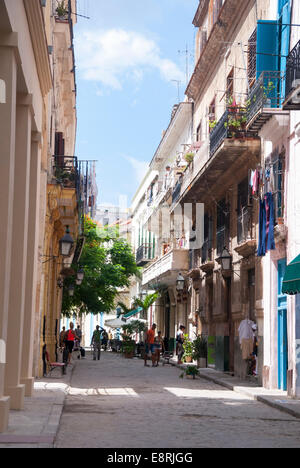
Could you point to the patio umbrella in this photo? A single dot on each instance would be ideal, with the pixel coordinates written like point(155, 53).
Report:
point(133, 319)
point(115, 323)
point(291, 280)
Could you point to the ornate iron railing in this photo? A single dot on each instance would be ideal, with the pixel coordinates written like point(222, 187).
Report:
point(219, 133)
point(265, 94)
point(65, 171)
point(177, 191)
point(293, 70)
point(144, 254)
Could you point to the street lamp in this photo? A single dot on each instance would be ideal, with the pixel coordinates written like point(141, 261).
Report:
point(71, 290)
point(80, 274)
point(66, 244)
point(226, 260)
point(180, 282)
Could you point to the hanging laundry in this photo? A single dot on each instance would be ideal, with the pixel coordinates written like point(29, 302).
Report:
point(266, 239)
point(255, 182)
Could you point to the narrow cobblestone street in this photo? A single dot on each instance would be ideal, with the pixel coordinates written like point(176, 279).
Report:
point(119, 403)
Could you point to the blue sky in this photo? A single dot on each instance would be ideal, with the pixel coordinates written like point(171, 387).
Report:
point(126, 58)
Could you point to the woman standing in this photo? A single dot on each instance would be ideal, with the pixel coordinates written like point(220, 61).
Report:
point(70, 337)
point(159, 347)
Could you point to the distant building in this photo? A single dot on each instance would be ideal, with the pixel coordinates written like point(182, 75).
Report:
point(107, 215)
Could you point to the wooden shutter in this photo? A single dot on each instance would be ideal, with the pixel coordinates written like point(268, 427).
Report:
point(251, 71)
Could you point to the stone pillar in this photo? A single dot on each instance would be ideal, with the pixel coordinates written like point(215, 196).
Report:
point(31, 271)
point(8, 74)
point(13, 387)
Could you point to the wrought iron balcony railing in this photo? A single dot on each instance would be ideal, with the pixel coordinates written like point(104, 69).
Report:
point(264, 99)
point(292, 82)
point(231, 125)
point(144, 254)
point(65, 171)
point(177, 190)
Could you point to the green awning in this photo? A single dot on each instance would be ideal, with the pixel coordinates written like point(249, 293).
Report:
point(132, 313)
point(291, 281)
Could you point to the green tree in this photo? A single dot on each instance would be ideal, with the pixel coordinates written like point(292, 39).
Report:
point(108, 264)
point(146, 303)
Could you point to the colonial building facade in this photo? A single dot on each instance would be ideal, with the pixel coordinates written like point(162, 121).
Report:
point(45, 190)
point(239, 164)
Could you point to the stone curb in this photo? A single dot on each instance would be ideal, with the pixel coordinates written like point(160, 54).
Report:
point(281, 403)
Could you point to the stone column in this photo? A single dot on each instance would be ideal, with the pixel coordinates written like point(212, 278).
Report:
point(13, 387)
point(32, 264)
point(8, 75)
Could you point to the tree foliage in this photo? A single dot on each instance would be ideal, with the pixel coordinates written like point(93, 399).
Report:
point(108, 264)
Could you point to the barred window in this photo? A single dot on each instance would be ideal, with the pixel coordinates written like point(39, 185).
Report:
point(252, 58)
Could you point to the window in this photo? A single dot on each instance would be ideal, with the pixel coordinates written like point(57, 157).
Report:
point(206, 254)
point(212, 113)
point(199, 132)
point(278, 161)
point(230, 86)
point(223, 226)
point(251, 294)
point(251, 69)
point(243, 212)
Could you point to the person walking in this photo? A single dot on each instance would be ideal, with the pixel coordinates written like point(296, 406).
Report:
point(105, 339)
point(158, 347)
point(179, 343)
point(70, 337)
point(149, 345)
point(62, 338)
point(79, 334)
point(96, 343)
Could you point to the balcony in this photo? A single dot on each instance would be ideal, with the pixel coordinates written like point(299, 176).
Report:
point(292, 84)
point(246, 233)
point(65, 171)
point(177, 191)
point(167, 267)
point(264, 101)
point(143, 255)
point(232, 125)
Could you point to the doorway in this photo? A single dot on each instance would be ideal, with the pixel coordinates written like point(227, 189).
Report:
point(282, 329)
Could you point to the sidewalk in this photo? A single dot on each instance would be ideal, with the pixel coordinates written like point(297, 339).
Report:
point(275, 398)
point(36, 426)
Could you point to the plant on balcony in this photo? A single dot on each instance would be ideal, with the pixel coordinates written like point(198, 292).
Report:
point(212, 124)
point(232, 104)
point(189, 157)
point(61, 9)
point(190, 371)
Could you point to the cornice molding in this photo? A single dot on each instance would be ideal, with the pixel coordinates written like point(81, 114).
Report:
point(39, 43)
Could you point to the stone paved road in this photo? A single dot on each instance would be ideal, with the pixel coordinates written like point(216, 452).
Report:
point(118, 403)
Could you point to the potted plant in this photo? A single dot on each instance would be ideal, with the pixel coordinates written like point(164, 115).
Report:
point(189, 157)
point(190, 371)
point(61, 9)
point(200, 350)
point(128, 344)
point(188, 347)
point(212, 124)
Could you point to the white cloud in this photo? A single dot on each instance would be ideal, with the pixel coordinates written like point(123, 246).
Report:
point(140, 167)
point(112, 56)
